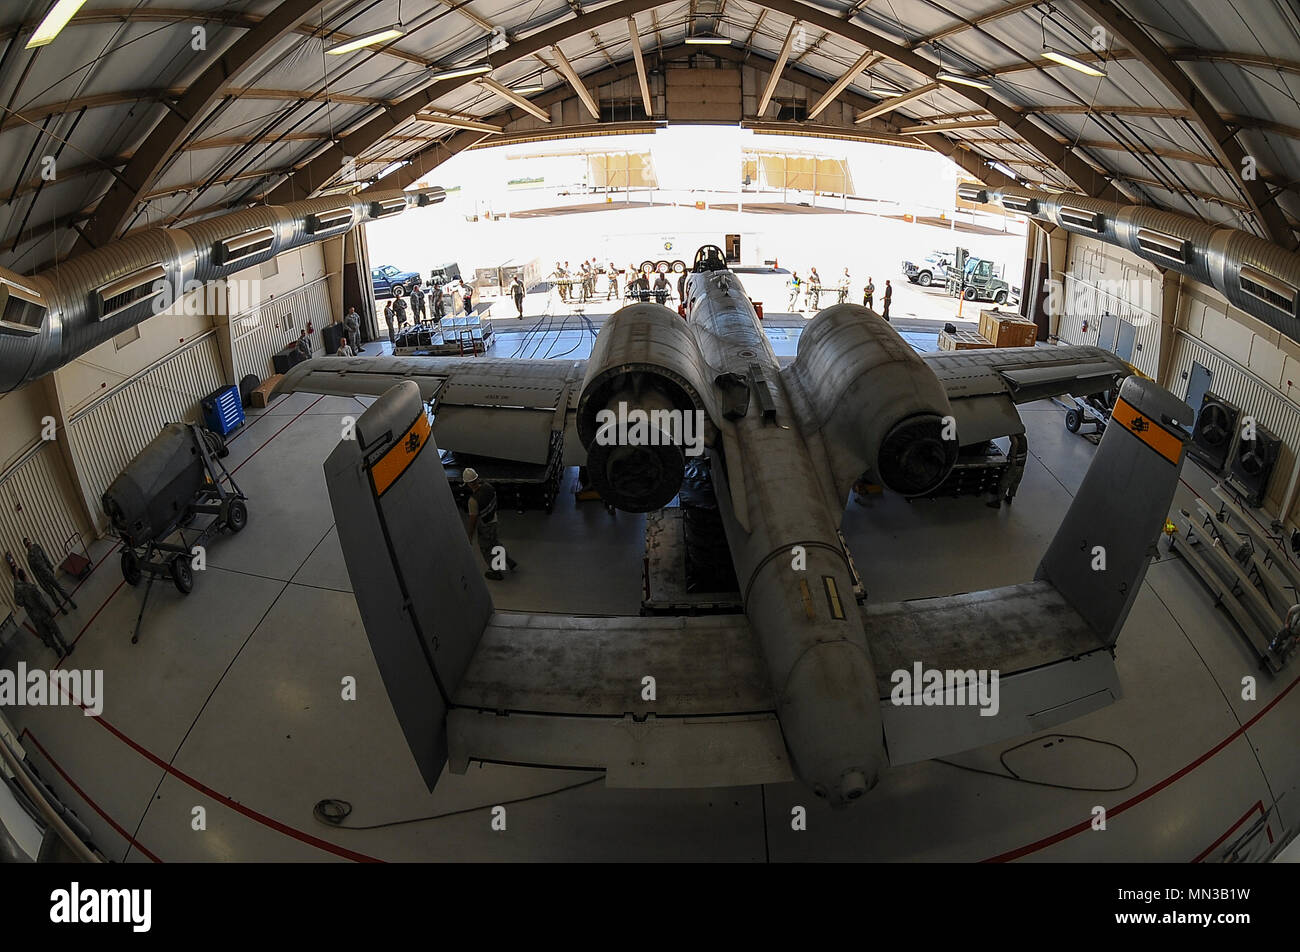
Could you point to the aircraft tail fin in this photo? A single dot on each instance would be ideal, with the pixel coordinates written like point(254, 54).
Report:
point(417, 582)
point(1099, 557)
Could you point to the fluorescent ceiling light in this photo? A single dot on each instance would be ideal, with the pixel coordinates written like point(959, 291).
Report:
point(55, 20)
point(1065, 59)
point(476, 70)
point(528, 89)
point(1004, 169)
point(705, 39)
point(950, 77)
point(370, 39)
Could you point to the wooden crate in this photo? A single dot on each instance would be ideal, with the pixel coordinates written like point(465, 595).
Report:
point(962, 340)
point(1007, 329)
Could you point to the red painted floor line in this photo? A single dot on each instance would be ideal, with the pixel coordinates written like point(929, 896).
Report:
point(277, 433)
point(86, 797)
point(252, 814)
point(1149, 792)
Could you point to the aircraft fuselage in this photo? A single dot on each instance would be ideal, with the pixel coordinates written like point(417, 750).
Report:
point(795, 582)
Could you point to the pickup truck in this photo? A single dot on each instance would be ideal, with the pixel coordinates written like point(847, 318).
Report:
point(385, 276)
point(932, 267)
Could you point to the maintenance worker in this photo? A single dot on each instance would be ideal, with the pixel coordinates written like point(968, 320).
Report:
point(794, 284)
point(661, 288)
point(29, 597)
point(352, 320)
point(642, 287)
point(399, 306)
point(1017, 456)
point(869, 293)
point(845, 283)
point(611, 294)
point(439, 307)
point(304, 345)
point(517, 292)
point(388, 319)
point(417, 301)
point(681, 288)
point(483, 518)
point(889, 297)
point(43, 572)
point(814, 296)
point(345, 349)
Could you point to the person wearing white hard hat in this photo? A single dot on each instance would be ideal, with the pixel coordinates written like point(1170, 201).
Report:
point(483, 519)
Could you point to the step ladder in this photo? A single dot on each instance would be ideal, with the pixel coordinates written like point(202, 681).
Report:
point(467, 344)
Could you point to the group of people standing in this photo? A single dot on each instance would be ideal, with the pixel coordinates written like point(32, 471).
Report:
point(431, 303)
point(29, 597)
point(578, 285)
point(812, 288)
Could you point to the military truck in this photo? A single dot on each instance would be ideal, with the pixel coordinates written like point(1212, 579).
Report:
point(978, 279)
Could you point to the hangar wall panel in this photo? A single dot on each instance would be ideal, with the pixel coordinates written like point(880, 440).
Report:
point(1101, 279)
point(264, 330)
point(37, 501)
point(108, 433)
point(702, 95)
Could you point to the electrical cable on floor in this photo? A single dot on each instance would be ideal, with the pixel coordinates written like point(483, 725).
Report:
point(333, 812)
point(1012, 775)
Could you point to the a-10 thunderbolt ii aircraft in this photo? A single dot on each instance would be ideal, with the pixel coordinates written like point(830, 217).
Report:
point(806, 682)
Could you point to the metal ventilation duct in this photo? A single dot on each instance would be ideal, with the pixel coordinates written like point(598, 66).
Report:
point(49, 319)
point(1255, 275)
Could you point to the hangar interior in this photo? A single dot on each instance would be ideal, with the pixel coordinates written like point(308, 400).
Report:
point(1163, 200)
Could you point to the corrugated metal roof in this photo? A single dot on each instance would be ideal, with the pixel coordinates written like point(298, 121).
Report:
point(101, 91)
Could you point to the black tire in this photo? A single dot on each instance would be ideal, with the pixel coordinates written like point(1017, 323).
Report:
point(236, 515)
point(679, 266)
point(1073, 420)
point(662, 267)
point(647, 267)
point(970, 294)
point(131, 568)
point(924, 279)
point(182, 574)
point(1000, 297)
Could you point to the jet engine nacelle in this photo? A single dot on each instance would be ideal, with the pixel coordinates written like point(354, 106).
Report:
point(643, 407)
point(875, 398)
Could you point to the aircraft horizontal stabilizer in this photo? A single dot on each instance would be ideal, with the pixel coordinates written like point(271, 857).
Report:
point(1048, 642)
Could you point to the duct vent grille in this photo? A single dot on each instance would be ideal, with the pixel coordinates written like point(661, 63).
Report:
point(129, 291)
point(1272, 291)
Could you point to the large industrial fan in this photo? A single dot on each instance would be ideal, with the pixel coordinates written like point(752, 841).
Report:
point(1253, 462)
point(1215, 431)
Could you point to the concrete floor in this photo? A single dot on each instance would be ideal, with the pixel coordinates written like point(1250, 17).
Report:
point(232, 700)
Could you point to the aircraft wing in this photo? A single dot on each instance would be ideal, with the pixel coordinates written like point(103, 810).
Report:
point(984, 386)
point(485, 406)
